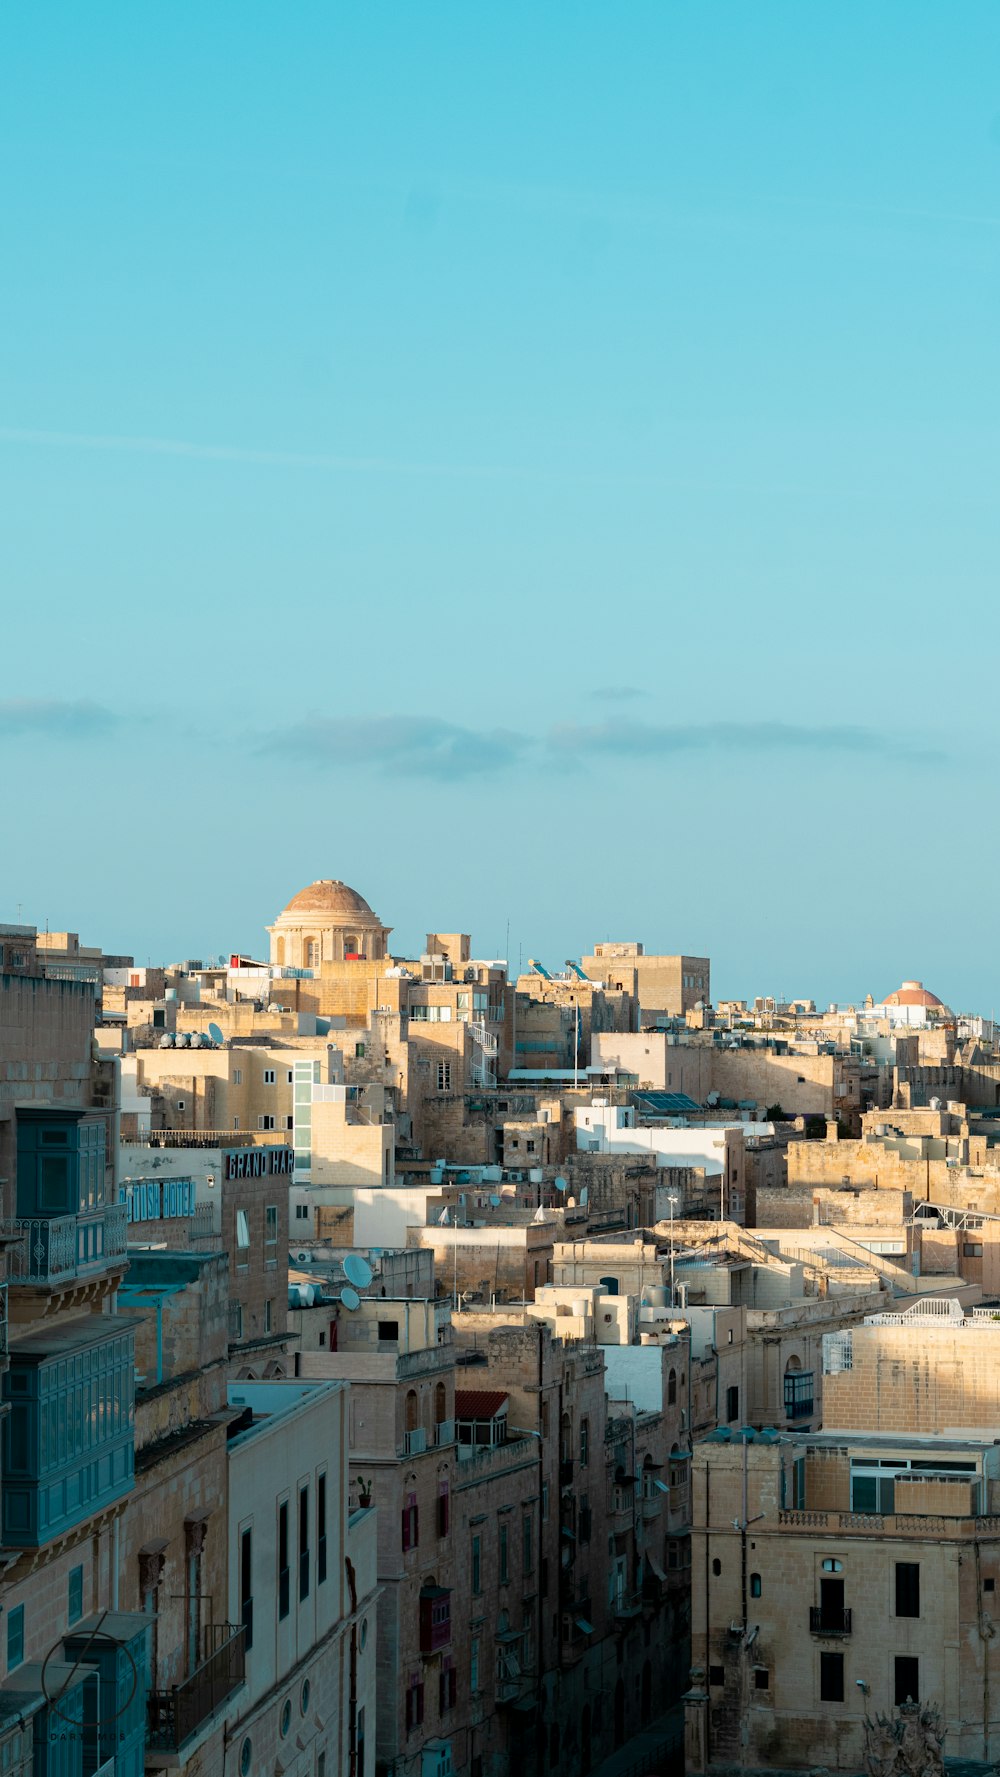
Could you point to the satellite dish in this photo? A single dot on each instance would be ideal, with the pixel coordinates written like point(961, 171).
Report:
point(357, 1270)
point(349, 1298)
point(494, 1200)
point(560, 1184)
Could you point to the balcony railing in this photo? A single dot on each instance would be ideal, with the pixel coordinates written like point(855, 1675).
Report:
point(829, 1622)
point(62, 1248)
point(444, 1431)
point(415, 1441)
point(174, 1716)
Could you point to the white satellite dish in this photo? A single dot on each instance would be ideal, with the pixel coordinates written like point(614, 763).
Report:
point(349, 1298)
point(357, 1270)
point(560, 1184)
point(215, 1034)
point(494, 1200)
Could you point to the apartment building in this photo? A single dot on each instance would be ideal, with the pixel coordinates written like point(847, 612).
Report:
point(398, 1358)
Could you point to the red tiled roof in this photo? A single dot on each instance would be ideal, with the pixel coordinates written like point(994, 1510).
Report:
point(479, 1403)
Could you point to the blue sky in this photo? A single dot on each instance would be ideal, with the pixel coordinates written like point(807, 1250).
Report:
point(536, 463)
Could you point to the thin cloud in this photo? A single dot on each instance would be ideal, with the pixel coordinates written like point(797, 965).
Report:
point(637, 740)
point(408, 746)
point(49, 718)
point(134, 445)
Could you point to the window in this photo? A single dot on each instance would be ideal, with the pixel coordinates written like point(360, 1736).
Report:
point(989, 1585)
point(237, 1076)
point(303, 1543)
point(584, 1442)
point(268, 1318)
point(301, 1212)
point(269, 1076)
point(474, 1665)
point(732, 1404)
point(15, 1637)
point(504, 1555)
point(716, 1675)
point(388, 1330)
point(907, 1589)
point(716, 1566)
point(414, 1704)
point(443, 1509)
point(830, 1565)
point(755, 1585)
point(448, 1686)
point(236, 1319)
point(283, 1589)
point(246, 1586)
point(74, 1610)
point(761, 1677)
point(181, 1104)
point(359, 1051)
point(242, 1234)
point(672, 1388)
point(265, 1122)
point(530, 1145)
point(289, 1121)
point(477, 1566)
point(410, 1523)
point(290, 1077)
point(831, 1678)
point(320, 1529)
point(444, 1076)
point(972, 1249)
point(527, 1545)
point(271, 1234)
point(907, 1680)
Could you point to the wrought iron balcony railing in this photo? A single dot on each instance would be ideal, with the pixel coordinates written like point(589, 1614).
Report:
point(175, 1716)
point(62, 1248)
point(829, 1622)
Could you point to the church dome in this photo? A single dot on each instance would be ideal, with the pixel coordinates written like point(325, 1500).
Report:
point(913, 993)
point(328, 922)
point(331, 901)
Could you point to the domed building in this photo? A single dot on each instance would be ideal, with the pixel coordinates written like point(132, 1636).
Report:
point(914, 993)
point(327, 922)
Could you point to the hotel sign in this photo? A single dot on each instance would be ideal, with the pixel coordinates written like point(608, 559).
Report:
point(258, 1162)
point(158, 1200)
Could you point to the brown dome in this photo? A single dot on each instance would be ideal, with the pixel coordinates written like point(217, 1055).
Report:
point(912, 993)
point(331, 900)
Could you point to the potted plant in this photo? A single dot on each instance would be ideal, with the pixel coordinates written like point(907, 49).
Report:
point(364, 1492)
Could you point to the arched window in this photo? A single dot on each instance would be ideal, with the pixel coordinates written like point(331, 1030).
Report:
point(411, 1409)
point(310, 953)
point(716, 1567)
point(755, 1585)
point(671, 1388)
point(352, 946)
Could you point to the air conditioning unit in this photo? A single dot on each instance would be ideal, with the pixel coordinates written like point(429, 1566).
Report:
point(303, 1258)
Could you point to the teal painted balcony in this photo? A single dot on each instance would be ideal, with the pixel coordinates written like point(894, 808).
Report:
point(53, 1251)
point(69, 1430)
